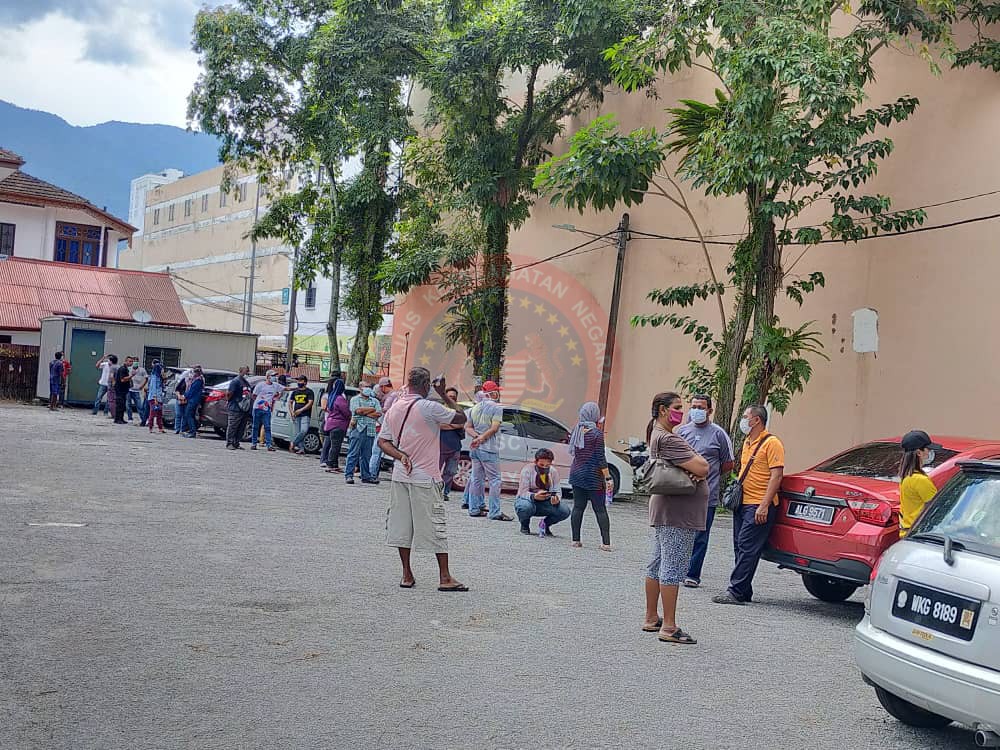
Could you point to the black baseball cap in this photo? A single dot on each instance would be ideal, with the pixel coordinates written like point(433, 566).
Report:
point(915, 440)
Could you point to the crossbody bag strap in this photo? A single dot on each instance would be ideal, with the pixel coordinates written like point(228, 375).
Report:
point(406, 416)
point(746, 468)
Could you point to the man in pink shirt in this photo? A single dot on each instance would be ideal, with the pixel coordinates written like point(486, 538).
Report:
point(410, 435)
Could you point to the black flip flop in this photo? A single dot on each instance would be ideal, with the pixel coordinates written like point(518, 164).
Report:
point(460, 587)
point(678, 636)
point(407, 585)
point(653, 629)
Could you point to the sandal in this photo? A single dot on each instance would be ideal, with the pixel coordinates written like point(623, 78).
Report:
point(653, 628)
point(605, 548)
point(409, 585)
point(459, 587)
point(576, 544)
point(678, 636)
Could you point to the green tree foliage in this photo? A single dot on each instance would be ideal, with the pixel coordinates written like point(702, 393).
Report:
point(500, 77)
point(789, 129)
point(294, 83)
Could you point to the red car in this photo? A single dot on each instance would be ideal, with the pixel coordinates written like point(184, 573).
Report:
point(836, 519)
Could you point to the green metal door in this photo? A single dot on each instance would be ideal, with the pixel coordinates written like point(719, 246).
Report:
point(86, 347)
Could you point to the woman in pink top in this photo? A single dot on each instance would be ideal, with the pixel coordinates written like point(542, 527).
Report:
point(336, 417)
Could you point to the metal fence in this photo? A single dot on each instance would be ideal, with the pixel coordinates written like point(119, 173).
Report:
point(18, 371)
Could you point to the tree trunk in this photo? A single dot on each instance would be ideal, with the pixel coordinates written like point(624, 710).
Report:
point(730, 362)
point(767, 283)
point(496, 270)
point(333, 316)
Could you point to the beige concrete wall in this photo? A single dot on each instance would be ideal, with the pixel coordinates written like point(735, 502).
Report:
point(932, 291)
point(208, 252)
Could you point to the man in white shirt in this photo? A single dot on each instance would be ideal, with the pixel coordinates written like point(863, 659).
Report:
point(411, 435)
point(136, 397)
point(107, 369)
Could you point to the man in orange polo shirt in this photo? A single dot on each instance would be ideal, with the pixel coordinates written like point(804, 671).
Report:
point(752, 523)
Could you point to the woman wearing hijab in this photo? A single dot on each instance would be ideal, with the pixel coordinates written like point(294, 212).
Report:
point(336, 417)
point(155, 396)
point(589, 476)
point(675, 519)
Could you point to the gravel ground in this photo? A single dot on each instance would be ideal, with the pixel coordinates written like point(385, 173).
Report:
point(215, 599)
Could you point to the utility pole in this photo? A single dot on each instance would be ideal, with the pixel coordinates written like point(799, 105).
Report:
point(616, 293)
point(292, 300)
point(253, 260)
point(246, 319)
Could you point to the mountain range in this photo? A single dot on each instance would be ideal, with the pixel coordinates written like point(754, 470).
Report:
point(100, 161)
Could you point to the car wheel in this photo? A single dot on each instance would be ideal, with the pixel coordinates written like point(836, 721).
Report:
point(828, 589)
point(248, 432)
point(312, 443)
point(909, 714)
point(220, 432)
point(463, 475)
point(616, 479)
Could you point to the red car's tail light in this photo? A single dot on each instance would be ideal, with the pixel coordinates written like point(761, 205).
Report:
point(869, 510)
point(214, 396)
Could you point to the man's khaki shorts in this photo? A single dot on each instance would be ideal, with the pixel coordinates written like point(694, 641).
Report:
point(416, 517)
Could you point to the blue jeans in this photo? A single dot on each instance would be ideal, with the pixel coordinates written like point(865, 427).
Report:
point(359, 454)
point(302, 425)
point(525, 507)
point(749, 540)
point(485, 474)
point(179, 417)
point(102, 391)
point(134, 399)
point(449, 467)
point(701, 547)
point(261, 417)
point(191, 418)
point(375, 463)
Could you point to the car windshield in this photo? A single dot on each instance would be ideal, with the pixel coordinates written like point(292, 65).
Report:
point(878, 460)
point(967, 509)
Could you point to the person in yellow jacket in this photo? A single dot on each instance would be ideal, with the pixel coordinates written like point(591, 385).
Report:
point(915, 488)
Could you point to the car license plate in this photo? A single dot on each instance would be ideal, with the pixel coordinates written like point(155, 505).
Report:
point(936, 610)
point(811, 512)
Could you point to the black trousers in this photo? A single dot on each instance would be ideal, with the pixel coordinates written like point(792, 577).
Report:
point(595, 498)
point(236, 425)
point(120, 398)
point(749, 540)
point(330, 455)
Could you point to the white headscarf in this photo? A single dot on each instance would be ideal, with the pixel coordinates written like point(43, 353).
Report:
point(590, 415)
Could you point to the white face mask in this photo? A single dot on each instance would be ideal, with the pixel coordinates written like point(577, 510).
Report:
point(745, 426)
point(698, 416)
point(929, 458)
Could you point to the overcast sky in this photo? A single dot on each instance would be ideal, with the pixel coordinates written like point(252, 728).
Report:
point(90, 61)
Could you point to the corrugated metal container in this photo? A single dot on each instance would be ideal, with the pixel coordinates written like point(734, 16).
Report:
point(218, 350)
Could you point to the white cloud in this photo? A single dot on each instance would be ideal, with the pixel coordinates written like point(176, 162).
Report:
point(130, 65)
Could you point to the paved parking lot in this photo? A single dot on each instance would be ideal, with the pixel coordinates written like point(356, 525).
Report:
point(199, 598)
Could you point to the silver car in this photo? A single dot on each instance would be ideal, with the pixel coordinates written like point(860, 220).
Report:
point(930, 639)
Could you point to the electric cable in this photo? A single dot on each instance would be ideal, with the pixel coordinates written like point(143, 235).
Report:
point(224, 294)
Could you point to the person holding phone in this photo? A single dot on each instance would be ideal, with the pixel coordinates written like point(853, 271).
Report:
point(540, 494)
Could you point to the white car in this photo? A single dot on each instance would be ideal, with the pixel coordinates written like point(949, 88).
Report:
point(523, 432)
point(929, 642)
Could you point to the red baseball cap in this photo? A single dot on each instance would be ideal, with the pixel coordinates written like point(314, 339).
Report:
point(489, 386)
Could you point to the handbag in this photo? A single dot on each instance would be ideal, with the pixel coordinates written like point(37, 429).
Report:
point(660, 477)
point(732, 498)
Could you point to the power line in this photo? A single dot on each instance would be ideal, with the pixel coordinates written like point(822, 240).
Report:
point(865, 218)
point(239, 299)
point(828, 241)
point(565, 252)
point(201, 301)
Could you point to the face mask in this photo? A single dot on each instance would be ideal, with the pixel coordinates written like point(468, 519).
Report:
point(367, 392)
point(698, 416)
point(675, 416)
point(745, 426)
point(929, 458)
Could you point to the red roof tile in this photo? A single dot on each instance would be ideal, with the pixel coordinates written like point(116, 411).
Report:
point(21, 187)
point(35, 289)
point(10, 157)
